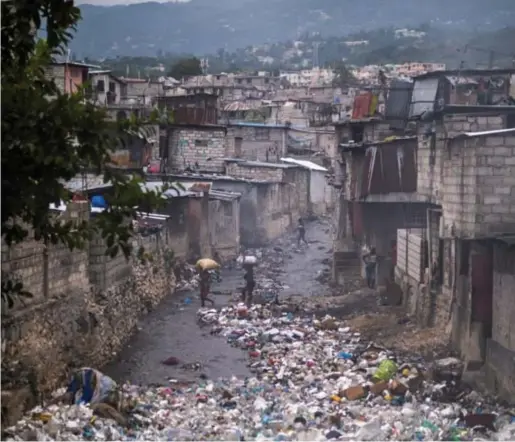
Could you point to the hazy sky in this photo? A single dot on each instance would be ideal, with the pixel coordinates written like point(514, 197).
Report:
point(119, 2)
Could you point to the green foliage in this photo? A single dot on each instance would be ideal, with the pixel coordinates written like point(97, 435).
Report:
point(343, 76)
point(186, 67)
point(49, 137)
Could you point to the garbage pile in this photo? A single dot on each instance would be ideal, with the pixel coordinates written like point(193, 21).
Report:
point(314, 379)
point(186, 277)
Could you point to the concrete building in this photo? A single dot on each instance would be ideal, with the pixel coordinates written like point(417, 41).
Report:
point(276, 201)
point(106, 89)
point(469, 175)
point(269, 204)
point(69, 76)
point(319, 192)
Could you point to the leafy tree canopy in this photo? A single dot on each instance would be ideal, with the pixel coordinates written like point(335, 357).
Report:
point(185, 67)
point(49, 137)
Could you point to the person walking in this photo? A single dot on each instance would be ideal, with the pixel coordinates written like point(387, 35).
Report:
point(250, 284)
point(370, 260)
point(205, 286)
point(301, 232)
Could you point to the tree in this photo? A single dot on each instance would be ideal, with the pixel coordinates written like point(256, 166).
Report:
point(185, 67)
point(49, 137)
point(343, 76)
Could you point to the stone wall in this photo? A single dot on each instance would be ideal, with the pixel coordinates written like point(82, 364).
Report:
point(76, 317)
point(257, 143)
point(204, 146)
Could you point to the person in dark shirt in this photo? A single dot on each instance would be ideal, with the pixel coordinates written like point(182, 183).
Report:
point(301, 231)
point(370, 260)
point(250, 284)
point(205, 286)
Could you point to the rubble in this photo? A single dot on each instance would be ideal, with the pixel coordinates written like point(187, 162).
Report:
point(313, 380)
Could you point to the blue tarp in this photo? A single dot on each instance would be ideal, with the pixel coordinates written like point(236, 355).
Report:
point(98, 201)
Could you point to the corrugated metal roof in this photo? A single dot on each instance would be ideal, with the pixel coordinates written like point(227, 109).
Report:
point(305, 163)
point(398, 103)
point(153, 186)
point(488, 132)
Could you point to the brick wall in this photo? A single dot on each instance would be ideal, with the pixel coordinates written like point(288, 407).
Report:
point(261, 173)
point(205, 146)
point(478, 186)
point(258, 143)
point(75, 320)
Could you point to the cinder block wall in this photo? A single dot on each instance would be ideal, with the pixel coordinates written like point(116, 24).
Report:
point(478, 186)
point(205, 146)
point(272, 174)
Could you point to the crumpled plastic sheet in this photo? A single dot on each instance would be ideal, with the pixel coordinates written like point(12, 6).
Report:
point(312, 382)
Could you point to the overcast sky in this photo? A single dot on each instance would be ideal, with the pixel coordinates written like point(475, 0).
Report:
point(118, 2)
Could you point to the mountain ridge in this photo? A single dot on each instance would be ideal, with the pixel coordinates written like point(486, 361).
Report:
point(202, 26)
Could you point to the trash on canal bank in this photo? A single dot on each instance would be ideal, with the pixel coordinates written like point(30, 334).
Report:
point(313, 380)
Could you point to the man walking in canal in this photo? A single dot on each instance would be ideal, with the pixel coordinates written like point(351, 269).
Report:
point(250, 284)
point(205, 286)
point(301, 231)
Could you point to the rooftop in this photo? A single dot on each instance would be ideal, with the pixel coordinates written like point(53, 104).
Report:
point(465, 73)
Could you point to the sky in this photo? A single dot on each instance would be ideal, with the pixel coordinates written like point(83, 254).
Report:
point(118, 2)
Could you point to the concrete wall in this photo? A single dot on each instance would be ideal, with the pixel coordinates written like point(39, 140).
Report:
point(76, 317)
point(318, 192)
point(224, 217)
point(500, 352)
point(202, 145)
point(258, 143)
point(478, 186)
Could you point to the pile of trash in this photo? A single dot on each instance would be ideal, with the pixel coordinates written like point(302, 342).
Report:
point(314, 379)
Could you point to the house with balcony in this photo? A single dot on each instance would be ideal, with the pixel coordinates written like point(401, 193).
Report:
point(106, 89)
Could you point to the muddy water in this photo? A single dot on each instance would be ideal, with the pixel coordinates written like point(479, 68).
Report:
point(172, 330)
